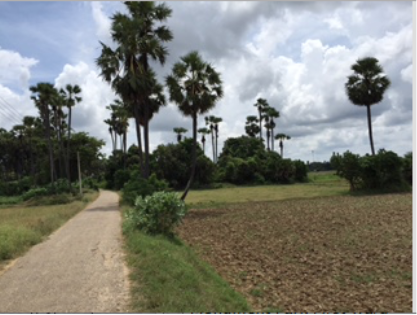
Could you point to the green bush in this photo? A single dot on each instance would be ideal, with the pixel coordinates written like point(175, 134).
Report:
point(408, 168)
point(156, 214)
point(301, 170)
point(35, 192)
point(384, 171)
point(121, 177)
point(348, 166)
point(14, 188)
point(60, 186)
point(138, 186)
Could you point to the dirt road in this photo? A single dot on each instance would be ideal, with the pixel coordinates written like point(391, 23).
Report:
point(79, 269)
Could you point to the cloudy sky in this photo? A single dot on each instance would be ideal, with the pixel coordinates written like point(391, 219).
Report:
point(296, 55)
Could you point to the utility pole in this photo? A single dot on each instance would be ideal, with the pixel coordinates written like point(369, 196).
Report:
point(79, 172)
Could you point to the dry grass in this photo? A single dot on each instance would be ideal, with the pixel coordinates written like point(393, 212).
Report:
point(334, 254)
point(22, 227)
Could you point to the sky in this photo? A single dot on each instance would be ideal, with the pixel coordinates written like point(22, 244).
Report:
point(296, 55)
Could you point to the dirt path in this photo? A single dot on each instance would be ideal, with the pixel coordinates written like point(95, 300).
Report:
point(79, 269)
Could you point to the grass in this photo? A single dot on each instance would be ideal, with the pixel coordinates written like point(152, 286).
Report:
point(22, 226)
point(12, 200)
point(168, 277)
point(320, 184)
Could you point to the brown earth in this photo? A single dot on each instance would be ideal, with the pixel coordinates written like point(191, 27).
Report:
point(337, 254)
point(79, 269)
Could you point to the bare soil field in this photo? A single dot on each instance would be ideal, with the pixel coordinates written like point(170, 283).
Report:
point(330, 254)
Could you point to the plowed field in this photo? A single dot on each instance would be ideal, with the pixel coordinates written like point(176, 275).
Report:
point(333, 254)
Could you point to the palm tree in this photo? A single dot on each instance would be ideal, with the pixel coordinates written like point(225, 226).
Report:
point(366, 87)
point(179, 131)
point(204, 132)
point(216, 122)
point(71, 98)
point(43, 96)
point(29, 124)
point(272, 113)
point(262, 105)
point(281, 137)
point(210, 123)
point(138, 40)
point(252, 126)
point(195, 87)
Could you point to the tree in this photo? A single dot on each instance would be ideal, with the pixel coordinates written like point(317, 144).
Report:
point(262, 105)
point(272, 113)
point(210, 123)
point(179, 131)
point(281, 137)
point(127, 67)
point(216, 122)
point(195, 87)
point(204, 132)
point(70, 95)
point(366, 87)
point(43, 96)
point(252, 126)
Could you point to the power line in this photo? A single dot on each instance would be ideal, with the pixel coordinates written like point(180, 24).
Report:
point(11, 109)
point(8, 117)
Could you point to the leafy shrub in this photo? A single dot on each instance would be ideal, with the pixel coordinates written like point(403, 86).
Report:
point(91, 183)
point(301, 170)
point(35, 192)
point(60, 186)
point(156, 214)
point(348, 166)
point(408, 168)
point(14, 188)
point(138, 186)
point(382, 171)
point(121, 177)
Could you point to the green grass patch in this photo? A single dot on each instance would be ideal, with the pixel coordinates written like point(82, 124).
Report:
point(22, 226)
point(168, 277)
point(318, 187)
point(12, 200)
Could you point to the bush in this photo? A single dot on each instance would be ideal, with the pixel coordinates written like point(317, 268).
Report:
point(408, 168)
point(121, 177)
point(156, 214)
point(60, 186)
point(301, 170)
point(348, 167)
point(383, 172)
point(35, 192)
point(138, 186)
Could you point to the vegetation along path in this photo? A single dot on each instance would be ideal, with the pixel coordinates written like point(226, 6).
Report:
point(79, 269)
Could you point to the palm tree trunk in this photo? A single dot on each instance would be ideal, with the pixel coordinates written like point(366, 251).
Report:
point(194, 157)
point(212, 145)
point(281, 146)
point(217, 136)
point(267, 138)
point(139, 137)
point(368, 107)
point(68, 146)
point(146, 131)
point(124, 148)
point(50, 149)
point(272, 139)
point(260, 124)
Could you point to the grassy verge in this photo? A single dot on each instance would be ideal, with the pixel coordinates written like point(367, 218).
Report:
point(168, 277)
point(319, 185)
point(22, 227)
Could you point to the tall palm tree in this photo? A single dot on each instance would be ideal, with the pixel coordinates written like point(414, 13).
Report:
point(262, 105)
point(210, 123)
point(216, 122)
point(71, 98)
point(43, 96)
point(138, 40)
point(272, 113)
point(252, 126)
point(29, 124)
point(179, 131)
point(366, 87)
point(195, 87)
point(281, 137)
point(204, 131)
